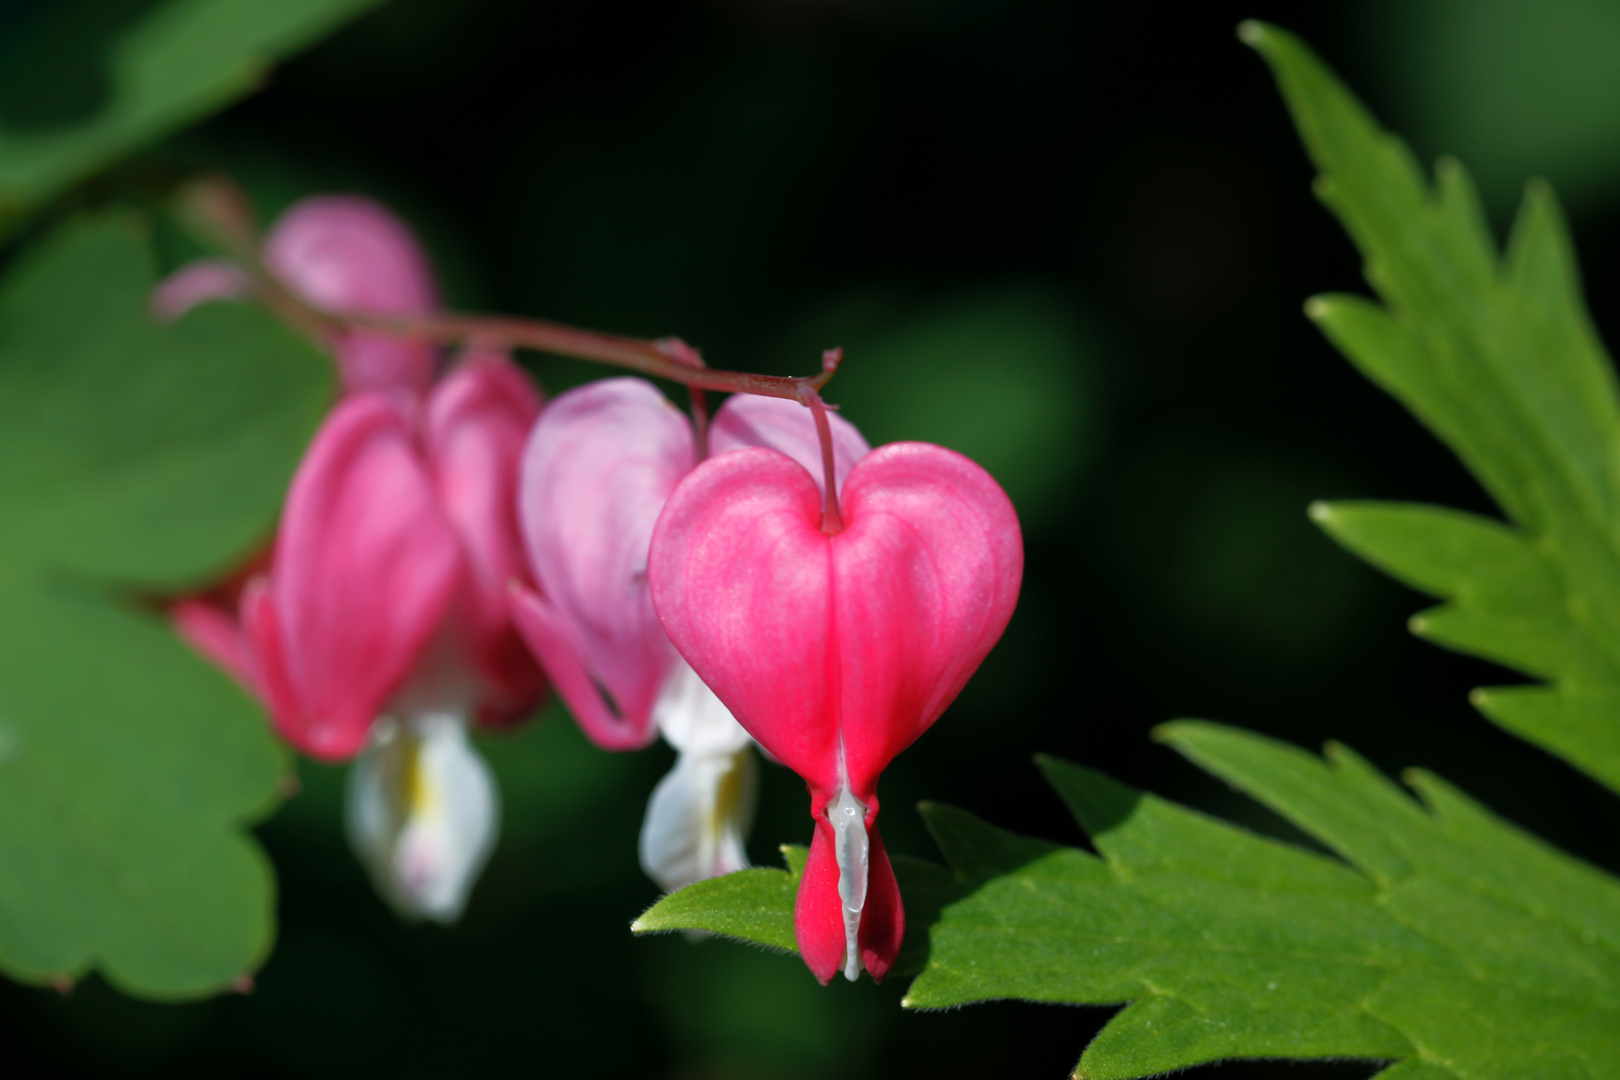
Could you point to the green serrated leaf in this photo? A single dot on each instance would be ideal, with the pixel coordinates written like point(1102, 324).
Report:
point(136, 458)
point(1496, 354)
point(1451, 940)
point(1445, 940)
point(88, 82)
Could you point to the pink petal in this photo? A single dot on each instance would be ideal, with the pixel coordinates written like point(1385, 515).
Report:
point(754, 420)
point(366, 568)
point(369, 360)
point(742, 580)
point(477, 420)
point(551, 639)
point(883, 919)
point(216, 634)
point(907, 600)
point(196, 283)
point(927, 569)
point(209, 620)
point(350, 253)
point(347, 251)
point(818, 913)
point(596, 471)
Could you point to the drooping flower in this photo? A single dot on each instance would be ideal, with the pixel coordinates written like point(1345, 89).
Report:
point(381, 627)
point(597, 470)
point(836, 649)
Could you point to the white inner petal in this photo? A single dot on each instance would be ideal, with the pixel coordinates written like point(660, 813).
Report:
point(423, 814)
point(698, 818)
point(847, 815)
point(692, 719)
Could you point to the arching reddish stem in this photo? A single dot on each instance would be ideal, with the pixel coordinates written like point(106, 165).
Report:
point(216, 210)
point(700, 423)
point(832, 522)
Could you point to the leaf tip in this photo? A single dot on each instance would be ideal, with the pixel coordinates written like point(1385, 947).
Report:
point(1317, 308)
point(1251, 32)
point(1319, 511)
point(1419, 626)
point(1171, 731)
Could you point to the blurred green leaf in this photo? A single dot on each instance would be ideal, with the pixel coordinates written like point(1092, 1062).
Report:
point(88, 81)
point(1451, 942)
point(137, 458)
point(1497, 356)
point(1514, 88)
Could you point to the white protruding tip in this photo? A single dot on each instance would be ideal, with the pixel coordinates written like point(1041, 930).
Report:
point(847, 815)
point(1316, 309)
point(423, 814)
point(1251, 31)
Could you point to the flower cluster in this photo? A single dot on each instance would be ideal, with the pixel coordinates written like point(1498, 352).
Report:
point(450, 545)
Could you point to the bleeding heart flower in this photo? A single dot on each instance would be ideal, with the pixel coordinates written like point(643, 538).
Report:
point(597, 470)
point(381, 625)
point(836, 651)
point(387, 588)
point(341, 252)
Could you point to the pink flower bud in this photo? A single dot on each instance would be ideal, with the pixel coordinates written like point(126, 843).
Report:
point(343, 252)
point(835, 652)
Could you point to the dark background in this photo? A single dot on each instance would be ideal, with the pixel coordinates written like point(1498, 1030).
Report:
point(1069, 239)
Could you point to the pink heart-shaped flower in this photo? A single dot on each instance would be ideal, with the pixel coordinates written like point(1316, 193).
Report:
point(837, 651)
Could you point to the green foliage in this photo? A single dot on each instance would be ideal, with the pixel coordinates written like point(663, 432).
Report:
point(1496, 355)
point(137, 459)
point(751, 905)
point(1451, 942)
point(1512, 88)
point(86, 81)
